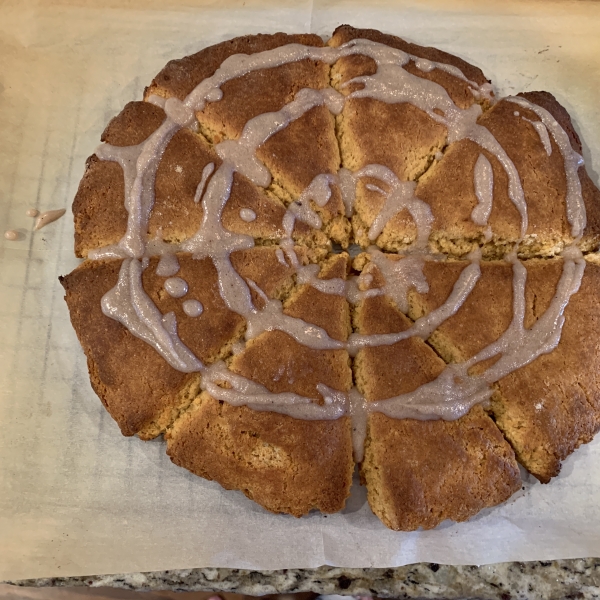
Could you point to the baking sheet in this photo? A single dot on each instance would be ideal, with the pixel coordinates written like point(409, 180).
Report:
point(76, 497)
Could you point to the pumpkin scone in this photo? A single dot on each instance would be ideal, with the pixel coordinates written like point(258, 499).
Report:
point(304, 256)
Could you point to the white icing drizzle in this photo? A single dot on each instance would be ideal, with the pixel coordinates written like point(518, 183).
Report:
point(272, 317)
point(319, 191)
point(139, 164)
point(454, 392)
point(156, 100)
point(178, 112)
point(401, 196)
point(358, 413)
point(347, 184)
point(238, 347)
point(254, 395)
point(572, 160)
point(247, 214)
point(412, 277)
point(400, 276)
point(176, 287)
point(542, 133)
point(47, 217)
point(168, 265)
point(206, 173)
point(281, 257)
point(192, 308)
point(450, 395)
point(367, 278)
point(484, 190)
point(309, 275)
point(428, 65)
point(129, 304)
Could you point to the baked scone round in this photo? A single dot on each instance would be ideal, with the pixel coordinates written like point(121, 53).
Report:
point(302, 256)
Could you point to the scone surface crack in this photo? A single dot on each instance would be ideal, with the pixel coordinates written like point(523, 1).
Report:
point(302, 256)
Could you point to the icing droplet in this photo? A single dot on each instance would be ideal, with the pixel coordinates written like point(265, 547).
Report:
point(214, 95)
point(32, 212)
point(516, 113)
point(424, 65)
point(193, 308)
point(168, 265)
point(48, 217)
point(11, 235)
point(247, 214)
point(176, 287)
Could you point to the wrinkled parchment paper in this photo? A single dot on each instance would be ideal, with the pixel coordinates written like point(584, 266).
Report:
point(76, 497)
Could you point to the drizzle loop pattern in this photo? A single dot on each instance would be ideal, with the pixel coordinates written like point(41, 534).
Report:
point(454, 392)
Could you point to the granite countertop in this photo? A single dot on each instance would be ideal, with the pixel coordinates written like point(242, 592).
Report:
point(547, 580)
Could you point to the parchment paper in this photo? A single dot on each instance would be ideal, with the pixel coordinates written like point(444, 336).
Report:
point(78, 498)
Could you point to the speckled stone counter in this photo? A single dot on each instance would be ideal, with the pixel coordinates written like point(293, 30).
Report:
point(548, 580)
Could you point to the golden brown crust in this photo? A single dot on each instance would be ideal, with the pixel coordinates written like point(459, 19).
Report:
point(264, 91)
point(98, 208)
point(590, 193)
point(419, 473)
point(551, 406)
point(99, 214)
point(400, 136)
point(345, 33)
point(385, 371)
point(267, 90)
point(180, 77)
point(483, 317)
point(135, 383)
point(329, 311)
point(134, 124)
point(542, 176)
point(264, 454)
point(448, 188)
point(275, 360)
point(311, 136)
point(137, 387)
point(286, 465)
point(280, 363)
